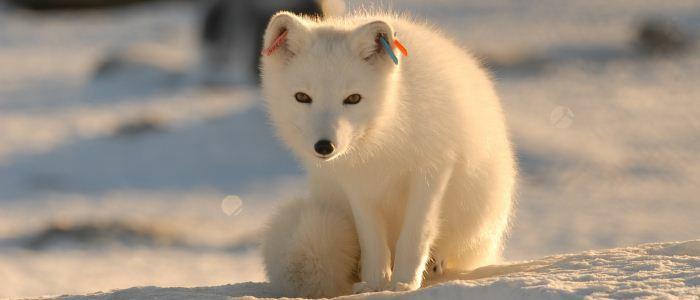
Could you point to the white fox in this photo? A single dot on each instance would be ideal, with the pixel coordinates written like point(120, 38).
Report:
point(410, 164)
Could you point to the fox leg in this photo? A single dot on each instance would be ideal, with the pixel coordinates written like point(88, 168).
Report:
point(419, 229)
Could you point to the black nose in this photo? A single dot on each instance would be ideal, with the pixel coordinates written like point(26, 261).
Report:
point(324, 147)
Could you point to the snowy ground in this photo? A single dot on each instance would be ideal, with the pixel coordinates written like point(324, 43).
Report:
point(118, 181)
point(667, 271)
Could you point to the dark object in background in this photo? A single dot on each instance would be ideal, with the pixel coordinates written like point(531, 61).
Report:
point(98, 234)
point(231, 37)
point(131, 72)
point(46, 5)
point(662, 37)
point(139, 126)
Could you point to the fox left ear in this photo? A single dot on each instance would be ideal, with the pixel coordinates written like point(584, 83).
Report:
point(286, 35)
point(365, 41)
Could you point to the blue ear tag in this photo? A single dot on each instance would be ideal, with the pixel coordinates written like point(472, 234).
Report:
point(388, 49)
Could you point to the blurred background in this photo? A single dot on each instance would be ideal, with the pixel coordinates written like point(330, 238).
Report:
point(134, 150)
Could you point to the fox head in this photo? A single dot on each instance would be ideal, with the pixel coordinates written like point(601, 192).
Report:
point(329, 88)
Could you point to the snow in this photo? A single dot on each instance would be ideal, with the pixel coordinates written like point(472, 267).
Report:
point(658, 271)
point(120, 177)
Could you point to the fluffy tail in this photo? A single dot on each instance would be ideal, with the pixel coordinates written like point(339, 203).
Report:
point(332, 8)
point(310, 249)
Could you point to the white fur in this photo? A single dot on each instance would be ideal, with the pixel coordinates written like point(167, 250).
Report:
point(311, 249)
point(423, 163)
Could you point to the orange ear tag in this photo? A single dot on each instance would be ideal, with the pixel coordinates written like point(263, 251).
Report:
point(401, 47)
point(276, 44)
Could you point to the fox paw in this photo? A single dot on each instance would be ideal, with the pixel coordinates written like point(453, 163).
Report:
point(402, 287)
point(364, 287)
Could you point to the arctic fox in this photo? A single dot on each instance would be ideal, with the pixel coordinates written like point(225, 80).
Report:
point(408, 157)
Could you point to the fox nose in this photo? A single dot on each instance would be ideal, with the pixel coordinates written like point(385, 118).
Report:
point(324, 147)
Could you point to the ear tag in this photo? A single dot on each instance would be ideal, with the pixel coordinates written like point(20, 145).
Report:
point(398, 44)
point(401, 47)
point(388, 49)
point(276, 44)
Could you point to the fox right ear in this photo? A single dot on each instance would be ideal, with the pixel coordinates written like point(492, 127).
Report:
point(366, 43)
point(286, 35)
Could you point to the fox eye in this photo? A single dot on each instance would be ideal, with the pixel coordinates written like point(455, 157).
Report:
point(353, 99)
point(302, 98)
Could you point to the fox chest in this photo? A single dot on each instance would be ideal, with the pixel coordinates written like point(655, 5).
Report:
point(377, 188)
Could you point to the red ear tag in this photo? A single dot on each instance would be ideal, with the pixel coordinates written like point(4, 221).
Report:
point(276, 44)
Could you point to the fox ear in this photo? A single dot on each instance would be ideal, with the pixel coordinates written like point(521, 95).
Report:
point(286, 35)
point(365, 41)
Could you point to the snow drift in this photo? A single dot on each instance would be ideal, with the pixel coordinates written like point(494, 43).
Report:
point(661, 270)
